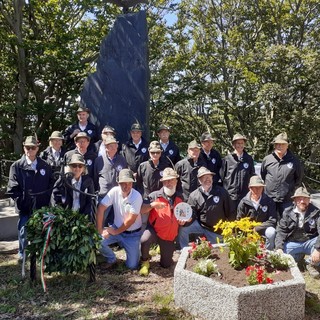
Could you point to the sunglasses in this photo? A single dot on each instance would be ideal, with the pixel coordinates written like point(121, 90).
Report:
point(31, 148)
point(155, 152)
point(74, 165)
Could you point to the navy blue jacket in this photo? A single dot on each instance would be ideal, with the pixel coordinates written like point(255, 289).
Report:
point(24, 181)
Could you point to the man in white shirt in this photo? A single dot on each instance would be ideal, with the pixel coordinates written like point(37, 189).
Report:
point(126, 229)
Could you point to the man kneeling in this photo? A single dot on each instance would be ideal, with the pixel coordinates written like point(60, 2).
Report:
point(298, 231)
point(126, 229)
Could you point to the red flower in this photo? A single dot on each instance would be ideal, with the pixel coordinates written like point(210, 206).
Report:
point(203, 238)
point(269, 280)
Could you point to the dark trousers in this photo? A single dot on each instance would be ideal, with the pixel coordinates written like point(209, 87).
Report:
point(166, 247)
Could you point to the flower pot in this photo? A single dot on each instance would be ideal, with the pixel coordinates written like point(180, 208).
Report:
point(209, 299)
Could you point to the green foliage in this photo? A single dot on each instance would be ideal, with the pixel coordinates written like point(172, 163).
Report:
point(73, 243)
point(202, 248)
point(242, 240)
point(278, 260)
point(206, 267)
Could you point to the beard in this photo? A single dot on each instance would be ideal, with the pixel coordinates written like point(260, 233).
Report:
point(169, 192)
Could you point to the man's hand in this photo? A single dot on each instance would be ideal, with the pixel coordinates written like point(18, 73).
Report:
point(157, 205)
point(183, 222)
point(74, 133)
point(111, 231)
point(105, 234)
point(315, 256)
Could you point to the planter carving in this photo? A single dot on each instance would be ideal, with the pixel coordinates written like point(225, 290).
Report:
point(209, 299)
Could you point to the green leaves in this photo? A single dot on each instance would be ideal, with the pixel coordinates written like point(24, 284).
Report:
point(73, 243)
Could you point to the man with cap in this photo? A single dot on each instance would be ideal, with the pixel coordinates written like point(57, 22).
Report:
point(236, 171)
point(210, 203)
point(135, 150)
point(106, 171)
point(82, 141)
point(150, 172)
point(187, 169)
point(298, 231)
point(65, 192)
point(30, 185)
point(126, 229)
point(282, 172)
point(55, 152)
point(169, 148)
point(106, 132)
point(162, 227)
point(83, 125)
point(211, 156)
point(261, 208)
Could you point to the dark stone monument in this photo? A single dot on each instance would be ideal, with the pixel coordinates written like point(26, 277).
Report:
point(117, 93)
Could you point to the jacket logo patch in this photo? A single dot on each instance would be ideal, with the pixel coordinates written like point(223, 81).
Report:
point(290, 165)
point(213, 160)
point(89, 162)
point(216, 199)
point(143, 150)
point(264, 208)
point(42, 172)
point(89, 131)
point(246, 165)
point(171, 152)
point(161, 173)
point(312, 222)
point(119, 168)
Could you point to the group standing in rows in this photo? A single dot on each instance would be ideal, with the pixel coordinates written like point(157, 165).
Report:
point(131, 190)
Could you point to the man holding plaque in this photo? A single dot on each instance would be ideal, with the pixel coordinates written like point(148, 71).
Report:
point(162, 227)
point(210, 203)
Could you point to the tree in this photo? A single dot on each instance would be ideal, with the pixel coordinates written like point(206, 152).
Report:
point(48, 47)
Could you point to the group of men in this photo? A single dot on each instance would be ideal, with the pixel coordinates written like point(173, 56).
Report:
point(139, 184)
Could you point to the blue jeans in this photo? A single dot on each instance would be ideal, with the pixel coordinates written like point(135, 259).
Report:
point(22, 233)
point(298, 249)
point(195, 227)
point(131, 244)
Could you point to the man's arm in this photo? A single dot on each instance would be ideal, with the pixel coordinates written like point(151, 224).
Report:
point(100, 217)
point(128, 222)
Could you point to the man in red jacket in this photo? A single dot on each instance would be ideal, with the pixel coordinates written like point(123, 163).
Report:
point(162, 225)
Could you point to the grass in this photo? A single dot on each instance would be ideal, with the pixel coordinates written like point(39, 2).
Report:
point(117, 294)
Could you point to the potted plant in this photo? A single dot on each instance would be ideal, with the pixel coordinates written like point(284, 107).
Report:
point(261, 298)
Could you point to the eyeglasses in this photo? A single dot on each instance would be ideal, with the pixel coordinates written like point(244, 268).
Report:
point(155, 152)
point(74, 165)
point(31, 148)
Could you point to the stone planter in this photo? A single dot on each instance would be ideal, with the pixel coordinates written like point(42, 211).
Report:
point(203, 297)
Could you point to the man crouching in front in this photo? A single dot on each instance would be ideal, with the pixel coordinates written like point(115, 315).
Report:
point(126, 229)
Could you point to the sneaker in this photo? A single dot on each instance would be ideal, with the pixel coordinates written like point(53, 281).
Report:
point(145, 266)
point(313, 271)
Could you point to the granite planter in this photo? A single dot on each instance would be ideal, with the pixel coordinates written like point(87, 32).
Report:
point(203, 297)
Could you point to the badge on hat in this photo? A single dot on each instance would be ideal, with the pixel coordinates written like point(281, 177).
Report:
point(216, 199)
